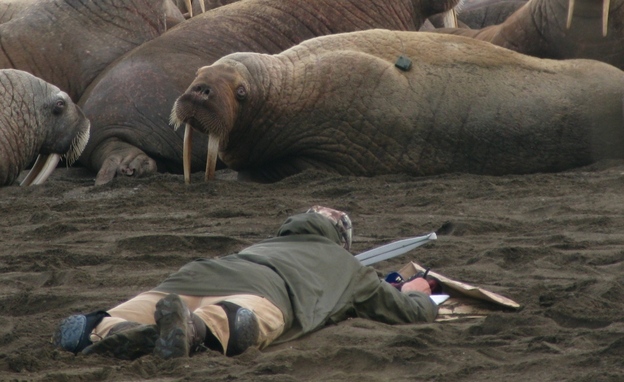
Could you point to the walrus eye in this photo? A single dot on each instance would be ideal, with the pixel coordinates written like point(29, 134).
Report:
point(58, 107)
point(241, 92)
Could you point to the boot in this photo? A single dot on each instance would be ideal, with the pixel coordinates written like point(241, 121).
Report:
point(126, 340)
point(244, 328)
point(72, 333)
point(181, 332)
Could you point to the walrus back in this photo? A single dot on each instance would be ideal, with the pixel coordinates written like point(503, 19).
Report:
point(463, 105)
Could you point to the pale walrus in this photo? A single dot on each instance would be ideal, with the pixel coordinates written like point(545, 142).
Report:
point(37, 118)
point(348, 104)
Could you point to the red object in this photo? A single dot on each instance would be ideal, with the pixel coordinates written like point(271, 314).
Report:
point(434, 285)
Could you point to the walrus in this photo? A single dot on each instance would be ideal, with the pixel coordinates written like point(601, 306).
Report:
point(382, 102)
point(37, 118)
point(130, 102)
point(480, 14)
point(69, 42)
point(560, 29)
point(10, 9)
point(192, 8)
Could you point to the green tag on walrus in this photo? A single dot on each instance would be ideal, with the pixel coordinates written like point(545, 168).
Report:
point(403, 63)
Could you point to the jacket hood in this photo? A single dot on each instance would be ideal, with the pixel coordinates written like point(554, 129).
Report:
point(310, 224)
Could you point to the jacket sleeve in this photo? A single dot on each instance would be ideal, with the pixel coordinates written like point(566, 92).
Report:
point(377, 300)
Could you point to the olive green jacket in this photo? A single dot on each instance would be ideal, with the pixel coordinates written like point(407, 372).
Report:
point(308, 276)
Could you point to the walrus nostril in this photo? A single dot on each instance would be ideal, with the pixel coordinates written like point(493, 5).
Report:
point(201, 89)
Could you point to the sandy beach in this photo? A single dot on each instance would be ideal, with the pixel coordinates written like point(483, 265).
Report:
point(552, 242)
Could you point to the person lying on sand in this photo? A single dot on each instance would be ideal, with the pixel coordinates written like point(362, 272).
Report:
point(271, 292)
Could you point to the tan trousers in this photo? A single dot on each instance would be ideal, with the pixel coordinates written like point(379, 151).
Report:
point(142, 307)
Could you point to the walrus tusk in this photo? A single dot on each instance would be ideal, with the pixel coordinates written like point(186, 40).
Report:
point(189, 7)
point(187, 150)
point(605, 16)
point(41, 170)
point(450, 19)
point(202, 5)
point(213, 153)
point(570, 12)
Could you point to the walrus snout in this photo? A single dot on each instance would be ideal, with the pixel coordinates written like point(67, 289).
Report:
point(194, 109)
point(189, 106)
point(201, 90)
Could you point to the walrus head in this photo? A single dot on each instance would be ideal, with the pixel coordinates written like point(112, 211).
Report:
point(67, 132)
point(211, 105)
point(37, 118)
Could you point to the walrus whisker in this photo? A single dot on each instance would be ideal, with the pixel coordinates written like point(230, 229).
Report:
point(77, 146)
point(460, 6)
point(187, 150)
point(173, 118)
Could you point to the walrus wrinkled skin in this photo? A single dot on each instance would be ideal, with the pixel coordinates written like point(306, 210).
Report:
point(338, 103)
point(37, 118)
point(129, 104)
point(69, 42)
point(554, 29)
point(480, 14)
point(10, 9)
point(192, 8)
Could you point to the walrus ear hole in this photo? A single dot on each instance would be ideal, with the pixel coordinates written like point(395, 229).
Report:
point(59, 106)
point(241, 93)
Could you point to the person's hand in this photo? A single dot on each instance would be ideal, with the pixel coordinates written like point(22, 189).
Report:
point(419, 284)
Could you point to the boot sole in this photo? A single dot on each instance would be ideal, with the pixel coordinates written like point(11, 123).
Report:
point(171, 318)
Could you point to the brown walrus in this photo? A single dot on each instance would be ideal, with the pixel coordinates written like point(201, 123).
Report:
point(341, 103)
point(130, 102)
point(560, 29)
point(192, 8)
point(10, 9)
point(37, 118)
point(69, 42)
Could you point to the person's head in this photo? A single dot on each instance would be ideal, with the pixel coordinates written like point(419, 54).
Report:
point(331, 224)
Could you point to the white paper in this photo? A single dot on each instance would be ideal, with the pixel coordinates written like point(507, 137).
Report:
point(439, 298)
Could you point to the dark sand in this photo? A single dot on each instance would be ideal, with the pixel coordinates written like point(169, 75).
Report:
point(552, 242)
